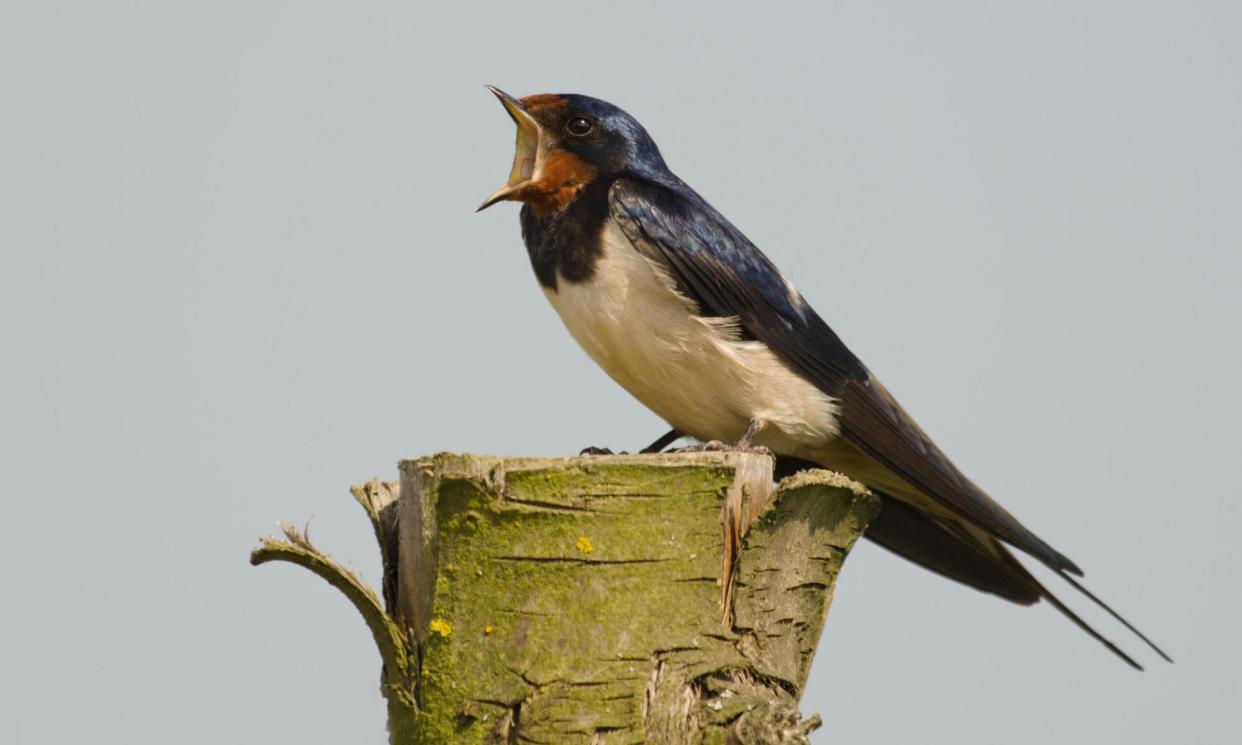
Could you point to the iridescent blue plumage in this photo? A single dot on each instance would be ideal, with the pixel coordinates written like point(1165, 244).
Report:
point(619, 179)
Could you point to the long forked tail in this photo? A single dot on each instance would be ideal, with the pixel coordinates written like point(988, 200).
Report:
point(974, 558)
point(991, 549)
point(1092, 596)
point(1006, 557)
point(1080, 623)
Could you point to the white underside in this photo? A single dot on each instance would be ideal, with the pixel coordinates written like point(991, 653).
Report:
point(693, 372)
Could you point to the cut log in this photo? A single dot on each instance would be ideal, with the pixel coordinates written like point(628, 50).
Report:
point(673, 598)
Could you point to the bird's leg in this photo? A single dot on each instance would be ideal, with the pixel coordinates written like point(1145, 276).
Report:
point(756, 426)
point(666, 439)
point(742, 445)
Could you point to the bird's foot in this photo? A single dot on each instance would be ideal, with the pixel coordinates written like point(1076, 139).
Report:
point(592, 450)
point(666, 439)
point(741, 446)
point(719, 446)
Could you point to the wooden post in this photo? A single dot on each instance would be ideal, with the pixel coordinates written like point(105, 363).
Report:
point(674, 598)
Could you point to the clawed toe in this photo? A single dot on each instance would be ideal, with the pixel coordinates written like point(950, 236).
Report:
point(717, 446)
point(701, 447)
point(592, 450)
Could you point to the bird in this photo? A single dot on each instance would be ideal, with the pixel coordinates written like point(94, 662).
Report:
point(683, 311)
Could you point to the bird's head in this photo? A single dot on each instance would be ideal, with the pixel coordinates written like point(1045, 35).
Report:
point(564, 143)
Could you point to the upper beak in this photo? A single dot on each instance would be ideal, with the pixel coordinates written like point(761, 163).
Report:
point(525, 151)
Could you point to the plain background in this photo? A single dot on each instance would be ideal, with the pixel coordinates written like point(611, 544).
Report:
point(240, 270)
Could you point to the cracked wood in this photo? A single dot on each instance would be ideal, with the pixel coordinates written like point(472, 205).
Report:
point(671, 599)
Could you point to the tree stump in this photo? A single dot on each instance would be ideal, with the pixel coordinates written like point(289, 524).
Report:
point(673, 598)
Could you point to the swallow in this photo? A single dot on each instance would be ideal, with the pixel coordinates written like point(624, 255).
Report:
point(690, 317)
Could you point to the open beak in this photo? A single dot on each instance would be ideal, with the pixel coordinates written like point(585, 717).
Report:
point(525, 151)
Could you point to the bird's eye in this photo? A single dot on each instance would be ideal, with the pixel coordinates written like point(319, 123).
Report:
point(580, 126)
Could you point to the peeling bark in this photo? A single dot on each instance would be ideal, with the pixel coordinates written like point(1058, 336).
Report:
point(670, 598)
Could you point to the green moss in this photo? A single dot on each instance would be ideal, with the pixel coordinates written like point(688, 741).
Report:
point(583, 595)
point(571, 629)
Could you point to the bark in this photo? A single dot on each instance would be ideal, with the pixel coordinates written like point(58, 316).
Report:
point(670, 598)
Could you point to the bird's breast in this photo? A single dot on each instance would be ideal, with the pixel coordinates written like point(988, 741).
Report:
point(695, 372)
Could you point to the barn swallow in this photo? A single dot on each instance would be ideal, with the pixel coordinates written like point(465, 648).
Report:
point(691, 318)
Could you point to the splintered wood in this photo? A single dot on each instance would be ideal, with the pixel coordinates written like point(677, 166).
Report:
point(672, 598)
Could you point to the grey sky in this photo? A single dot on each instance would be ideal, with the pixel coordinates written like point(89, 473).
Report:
point(240, 270)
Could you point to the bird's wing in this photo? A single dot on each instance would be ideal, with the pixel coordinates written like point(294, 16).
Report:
point(728, 276)
point(923, 538)
point(721, 271)
point(969, 555)
point(872, 421)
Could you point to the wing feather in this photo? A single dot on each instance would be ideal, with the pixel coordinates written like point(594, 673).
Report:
point(715, 265)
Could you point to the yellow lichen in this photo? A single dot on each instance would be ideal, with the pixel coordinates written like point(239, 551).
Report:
point(584, 545)
point(441, 627)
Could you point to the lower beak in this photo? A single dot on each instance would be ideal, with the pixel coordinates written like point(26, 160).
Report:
point(525, 151)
